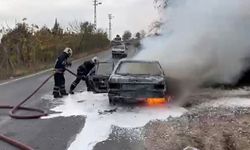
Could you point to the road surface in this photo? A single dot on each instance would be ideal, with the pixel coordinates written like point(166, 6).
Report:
point(86, 121)
point(42, 134)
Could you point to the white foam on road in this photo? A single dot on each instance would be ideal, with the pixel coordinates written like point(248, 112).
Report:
point(229, 98)
point(98, 126)
point(238, 92)
point(230, 93)
point(230, 102)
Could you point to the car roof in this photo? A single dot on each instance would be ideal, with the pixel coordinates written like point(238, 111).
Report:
point(143, 61)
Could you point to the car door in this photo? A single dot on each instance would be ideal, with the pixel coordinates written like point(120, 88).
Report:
point(98, 77)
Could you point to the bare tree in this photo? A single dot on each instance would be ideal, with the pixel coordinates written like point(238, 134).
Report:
point(74, 27)
point(162, 3)
point(143, 33)
point(155, 27)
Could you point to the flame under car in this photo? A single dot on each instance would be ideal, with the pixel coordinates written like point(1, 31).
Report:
point(135, 81)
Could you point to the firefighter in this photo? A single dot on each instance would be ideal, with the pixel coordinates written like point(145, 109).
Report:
point(82, 71)
point(61, 63)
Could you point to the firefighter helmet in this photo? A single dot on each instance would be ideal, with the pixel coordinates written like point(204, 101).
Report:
point(95, 59)
point(68, 51)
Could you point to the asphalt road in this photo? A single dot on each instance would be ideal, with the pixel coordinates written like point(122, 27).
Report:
point(43, 134)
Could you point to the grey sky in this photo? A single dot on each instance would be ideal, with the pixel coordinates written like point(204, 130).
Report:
point(133, 15)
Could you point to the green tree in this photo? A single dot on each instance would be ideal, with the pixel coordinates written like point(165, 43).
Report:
point(143, 34)
point(138, 35)
point(126, 35)
point(28, 48)
point(87, 28)
point(57, 30)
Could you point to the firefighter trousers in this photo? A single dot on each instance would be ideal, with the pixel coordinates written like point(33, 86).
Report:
point(59, 87)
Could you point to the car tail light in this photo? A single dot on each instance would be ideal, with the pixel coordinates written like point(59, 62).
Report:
point(159, 86)
point(114, 86)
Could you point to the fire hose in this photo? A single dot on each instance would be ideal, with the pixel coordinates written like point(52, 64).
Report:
point(18, 107)
point(71, 72)
point(82, 77)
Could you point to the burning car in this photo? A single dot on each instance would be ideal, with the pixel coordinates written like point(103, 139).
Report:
point(137, 81)
point(119, 51)
point(98, 77)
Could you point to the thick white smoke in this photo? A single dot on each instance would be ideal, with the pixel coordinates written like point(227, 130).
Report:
point(202, 40)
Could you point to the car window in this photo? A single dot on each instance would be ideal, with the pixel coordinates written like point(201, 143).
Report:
point(119, 47)
point(139, 68)
point(104, 68)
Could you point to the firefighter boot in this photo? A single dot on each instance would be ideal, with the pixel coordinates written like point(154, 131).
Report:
point(63, 91)
point(71, 92)
point(72, 87)
point(56, 93)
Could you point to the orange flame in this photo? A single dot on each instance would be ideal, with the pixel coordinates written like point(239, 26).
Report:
point(156, 101)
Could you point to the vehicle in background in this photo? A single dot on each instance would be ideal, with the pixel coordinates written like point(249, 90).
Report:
point(119, 51)
point(117, 38)
point(116, 41)
point(137, 81)
point(99, 75)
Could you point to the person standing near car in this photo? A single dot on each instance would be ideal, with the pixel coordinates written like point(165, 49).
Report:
point(82, 71)
point(60, 66)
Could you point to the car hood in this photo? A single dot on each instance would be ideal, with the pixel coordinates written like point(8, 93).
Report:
point(100, 76)
point(136, 79)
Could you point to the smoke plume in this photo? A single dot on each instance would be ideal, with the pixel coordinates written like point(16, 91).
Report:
point(202, 41)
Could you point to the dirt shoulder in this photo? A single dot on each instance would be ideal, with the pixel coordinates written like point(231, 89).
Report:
point(204, 127)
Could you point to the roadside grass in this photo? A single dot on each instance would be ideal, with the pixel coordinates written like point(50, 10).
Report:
point(23, 71)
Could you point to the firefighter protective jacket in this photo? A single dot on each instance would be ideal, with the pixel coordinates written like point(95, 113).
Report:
point(85, 68)
point(61, 63)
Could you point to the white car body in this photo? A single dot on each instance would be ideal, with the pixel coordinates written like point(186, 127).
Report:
point(119, 50)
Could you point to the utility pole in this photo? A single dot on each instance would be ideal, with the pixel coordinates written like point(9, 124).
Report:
point(96, 3)
point(110, 26)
